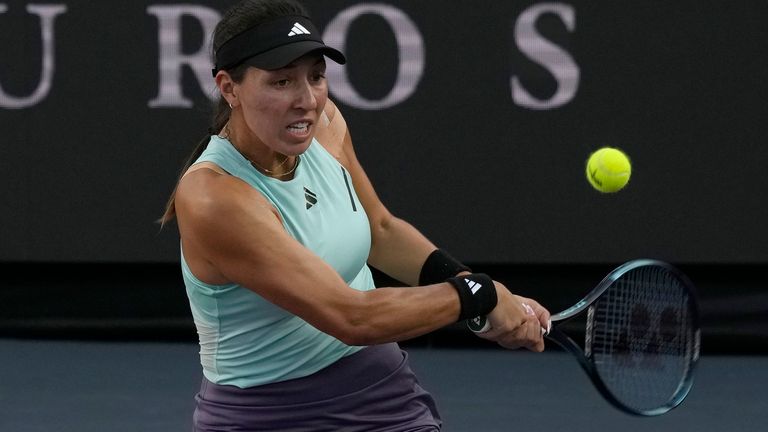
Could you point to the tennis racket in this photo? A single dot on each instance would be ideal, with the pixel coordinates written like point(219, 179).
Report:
point(642, 336)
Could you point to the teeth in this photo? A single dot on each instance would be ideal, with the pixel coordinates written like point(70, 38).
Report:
point(299, 126)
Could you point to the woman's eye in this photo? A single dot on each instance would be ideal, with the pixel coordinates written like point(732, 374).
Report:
point(281, 83)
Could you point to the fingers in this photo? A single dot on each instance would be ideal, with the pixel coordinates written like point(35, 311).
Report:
point(516, 322)
point(541, 313)
point(524, 334)
point(528, 309)
point(535, 336)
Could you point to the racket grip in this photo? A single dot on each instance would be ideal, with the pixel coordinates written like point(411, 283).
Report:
point(481, 325)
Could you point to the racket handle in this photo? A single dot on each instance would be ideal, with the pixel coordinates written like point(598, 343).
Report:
point(481, 325)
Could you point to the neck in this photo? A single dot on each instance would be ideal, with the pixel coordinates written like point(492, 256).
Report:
point(272, 164)
point(281, 170)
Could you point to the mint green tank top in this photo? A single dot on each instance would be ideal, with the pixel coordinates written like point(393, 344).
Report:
point(247, 341)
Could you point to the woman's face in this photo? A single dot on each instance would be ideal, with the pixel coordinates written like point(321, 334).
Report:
point(281, 107)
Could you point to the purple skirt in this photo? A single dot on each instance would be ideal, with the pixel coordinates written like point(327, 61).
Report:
point(371, 390)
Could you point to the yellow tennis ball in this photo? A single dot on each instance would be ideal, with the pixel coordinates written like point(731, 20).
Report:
point(608, 170)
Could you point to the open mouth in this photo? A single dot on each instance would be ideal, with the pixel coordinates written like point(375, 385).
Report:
point(299, 128)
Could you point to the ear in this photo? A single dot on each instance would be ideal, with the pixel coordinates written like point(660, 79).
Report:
point(227, 87)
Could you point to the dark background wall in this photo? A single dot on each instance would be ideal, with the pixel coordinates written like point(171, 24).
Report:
point(473, 120)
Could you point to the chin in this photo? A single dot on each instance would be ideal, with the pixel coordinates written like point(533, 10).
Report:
point(296, 149)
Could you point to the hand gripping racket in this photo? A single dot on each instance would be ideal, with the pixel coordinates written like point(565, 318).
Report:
point(642, 336)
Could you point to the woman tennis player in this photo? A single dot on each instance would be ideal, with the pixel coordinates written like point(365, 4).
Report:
point(278, 224)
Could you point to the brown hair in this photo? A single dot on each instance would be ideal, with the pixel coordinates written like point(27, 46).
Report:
point(242, 16)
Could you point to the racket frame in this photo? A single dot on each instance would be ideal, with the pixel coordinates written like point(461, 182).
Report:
point(586, 359)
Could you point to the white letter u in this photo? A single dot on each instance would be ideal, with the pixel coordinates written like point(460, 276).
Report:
point(47, 14)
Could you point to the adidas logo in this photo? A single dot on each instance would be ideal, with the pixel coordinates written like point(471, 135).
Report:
point(298, 29)
point(310, 197)
point(473, 286)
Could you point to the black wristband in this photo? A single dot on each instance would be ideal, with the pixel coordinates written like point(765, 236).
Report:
point(439, 266)
point(477, 294)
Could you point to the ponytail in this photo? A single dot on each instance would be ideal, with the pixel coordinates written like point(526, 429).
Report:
point(237, 19)
point(220, 119)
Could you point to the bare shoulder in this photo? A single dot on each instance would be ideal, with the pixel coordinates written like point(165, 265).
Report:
point(219, 217)
point(207, 193)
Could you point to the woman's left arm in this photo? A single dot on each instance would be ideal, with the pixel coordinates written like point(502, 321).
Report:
point(397, 248)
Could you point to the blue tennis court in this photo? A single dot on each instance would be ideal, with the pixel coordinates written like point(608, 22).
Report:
point(68, 386)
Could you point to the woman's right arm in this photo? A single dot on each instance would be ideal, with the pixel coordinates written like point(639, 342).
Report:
point(231, 233)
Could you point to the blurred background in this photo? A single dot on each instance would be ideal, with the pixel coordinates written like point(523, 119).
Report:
point(473, 120)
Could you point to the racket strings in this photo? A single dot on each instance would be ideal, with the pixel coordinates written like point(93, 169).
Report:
point(639, 337)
